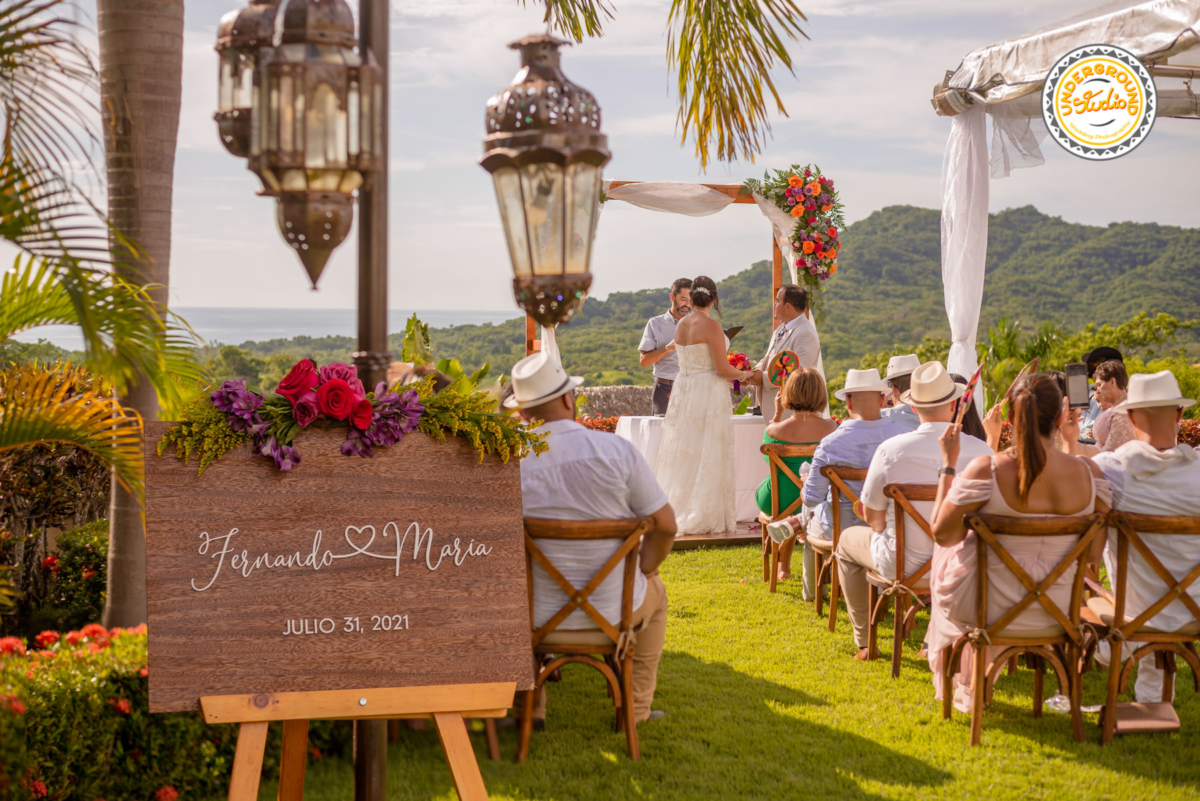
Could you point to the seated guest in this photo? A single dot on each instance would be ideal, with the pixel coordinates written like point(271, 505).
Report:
point(592, 475)
point(912, 458)
point(1154, 474)
point(1031, 479)
point(1111, 429)
point(803, 394)
point(899, 373)
point(852, 444)
point(1094, 359)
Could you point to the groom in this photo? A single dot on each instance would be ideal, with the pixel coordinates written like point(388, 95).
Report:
point(796, 333)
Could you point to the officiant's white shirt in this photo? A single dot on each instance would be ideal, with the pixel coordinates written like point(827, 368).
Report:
point(585, 475)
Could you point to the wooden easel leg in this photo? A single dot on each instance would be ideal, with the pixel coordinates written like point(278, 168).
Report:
point(247, 762)
point(292, 761)
point(460, 756)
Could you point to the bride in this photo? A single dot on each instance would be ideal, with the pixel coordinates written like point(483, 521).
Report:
point(695, 459)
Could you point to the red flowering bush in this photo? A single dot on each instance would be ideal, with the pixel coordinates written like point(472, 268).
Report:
point(75, 725)
point(608, 424)
point(1189, 432)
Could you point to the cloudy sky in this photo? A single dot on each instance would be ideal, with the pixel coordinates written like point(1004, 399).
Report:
point(858, 106)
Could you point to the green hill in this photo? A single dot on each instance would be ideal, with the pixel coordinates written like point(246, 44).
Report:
point(888, 292)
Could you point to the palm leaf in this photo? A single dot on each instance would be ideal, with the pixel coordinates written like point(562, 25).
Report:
point(724, 51)
point(39, 406)
point(576, 18)
point(130, 334)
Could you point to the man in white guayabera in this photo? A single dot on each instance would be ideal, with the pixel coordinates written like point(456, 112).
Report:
point(658, 344)
point(592, 475)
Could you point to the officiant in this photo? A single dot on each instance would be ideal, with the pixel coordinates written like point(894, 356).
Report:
point(796, 333)
point(658, 344)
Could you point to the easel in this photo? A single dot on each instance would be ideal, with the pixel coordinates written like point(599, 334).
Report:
point(446, 704)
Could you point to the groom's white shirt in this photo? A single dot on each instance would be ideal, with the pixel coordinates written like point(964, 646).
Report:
point(798, 335)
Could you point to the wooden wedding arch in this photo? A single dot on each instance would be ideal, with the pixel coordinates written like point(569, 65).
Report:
point(533, 343)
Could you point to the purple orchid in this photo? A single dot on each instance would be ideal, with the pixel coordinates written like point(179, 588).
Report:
point(285, 457)
point(395, 415)
point(240, 404)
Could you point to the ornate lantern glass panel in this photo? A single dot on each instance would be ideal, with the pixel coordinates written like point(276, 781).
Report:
point(545, 152)
point(242, 38)
point(315, 137)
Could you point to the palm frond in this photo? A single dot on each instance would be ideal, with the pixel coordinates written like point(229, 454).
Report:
point(576, 18)
point(724, 51)
point(39, 405)
point(127, 333)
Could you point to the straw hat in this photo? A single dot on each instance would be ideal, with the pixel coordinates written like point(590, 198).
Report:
point(902, 365)
point(861, 381)
point(931, 386)
point(538, 379)
point(1147, 390)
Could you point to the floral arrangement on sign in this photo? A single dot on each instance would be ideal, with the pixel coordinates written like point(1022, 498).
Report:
point(739, 361)
point(811, 199)
point(332, 397)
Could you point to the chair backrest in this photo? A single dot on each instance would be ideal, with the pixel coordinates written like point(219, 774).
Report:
point(628, 530)
point(1130, 527)
point(902, 496)
point(1085, 528)
point(775, 454)
point(838, 476)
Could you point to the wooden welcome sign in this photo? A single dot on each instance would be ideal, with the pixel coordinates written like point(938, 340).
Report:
point(320, 592)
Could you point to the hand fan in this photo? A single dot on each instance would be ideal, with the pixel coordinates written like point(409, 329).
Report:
point(964, 403)
point(1006, 406)
point(783, 365)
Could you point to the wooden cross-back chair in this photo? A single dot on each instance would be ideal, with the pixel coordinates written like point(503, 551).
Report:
point(775, 454)
point(825, 550)
point(1061, 645)
point(1125, 718)
point(611, 643)
point(912, 591)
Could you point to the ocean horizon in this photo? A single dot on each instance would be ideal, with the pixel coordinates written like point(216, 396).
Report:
point(236, 326)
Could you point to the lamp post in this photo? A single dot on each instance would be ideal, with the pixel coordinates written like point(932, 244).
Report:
point(545, 151)
point(309, 111)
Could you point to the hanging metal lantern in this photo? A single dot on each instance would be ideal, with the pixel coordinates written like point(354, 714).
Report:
point(545, 152)
point(315, 136)
point(241, 38)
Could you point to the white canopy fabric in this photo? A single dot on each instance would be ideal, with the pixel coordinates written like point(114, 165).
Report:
point(1004, 80)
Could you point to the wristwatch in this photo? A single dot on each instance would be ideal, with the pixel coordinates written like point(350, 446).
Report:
point(946, 471)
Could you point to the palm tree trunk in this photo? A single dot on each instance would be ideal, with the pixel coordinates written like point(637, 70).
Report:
point(141, 81)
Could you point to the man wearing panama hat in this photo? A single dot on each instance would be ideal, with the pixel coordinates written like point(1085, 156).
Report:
point(852, 444)
point(899, 373)
point(912, 458)
point(592, 475)
point(1155, 474)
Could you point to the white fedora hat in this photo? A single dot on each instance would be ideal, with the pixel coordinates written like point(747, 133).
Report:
point(902, 365)
point(931, 386)
point(1147, 390)
point(538, 379)
point(861, 381)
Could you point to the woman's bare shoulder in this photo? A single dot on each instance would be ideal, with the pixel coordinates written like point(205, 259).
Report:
point(980, 467)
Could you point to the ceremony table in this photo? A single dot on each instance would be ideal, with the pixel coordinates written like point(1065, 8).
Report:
point(749, 466)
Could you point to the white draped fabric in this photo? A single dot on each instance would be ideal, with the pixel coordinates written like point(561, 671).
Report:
point(965, 193)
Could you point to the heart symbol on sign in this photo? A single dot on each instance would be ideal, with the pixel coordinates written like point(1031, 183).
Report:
point(359, 530)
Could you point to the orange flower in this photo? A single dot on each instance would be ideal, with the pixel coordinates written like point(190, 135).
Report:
point(797, 211)
point(807, 247)
point(795, 181)
point(833, 269)
point(815, 187)
point(825, 208)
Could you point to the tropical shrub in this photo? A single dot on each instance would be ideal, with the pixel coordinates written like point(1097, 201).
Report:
point(77, 575)
point(83, 702)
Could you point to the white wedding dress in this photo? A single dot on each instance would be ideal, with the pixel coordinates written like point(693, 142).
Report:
point(695, 458)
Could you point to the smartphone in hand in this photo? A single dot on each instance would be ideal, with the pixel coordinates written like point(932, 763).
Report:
point(1077, 386)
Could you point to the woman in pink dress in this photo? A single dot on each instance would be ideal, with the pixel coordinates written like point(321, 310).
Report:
point(1030, 479)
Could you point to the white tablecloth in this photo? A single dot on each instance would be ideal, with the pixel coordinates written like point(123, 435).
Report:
point(749, 466)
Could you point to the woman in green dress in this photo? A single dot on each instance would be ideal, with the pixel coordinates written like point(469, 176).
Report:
point(805, 396)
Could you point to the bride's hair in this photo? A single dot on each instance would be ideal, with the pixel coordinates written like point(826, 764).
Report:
point(704, 293)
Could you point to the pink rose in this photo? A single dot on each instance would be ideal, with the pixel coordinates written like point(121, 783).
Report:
point(812, 220)
point(300, 379)
point(362, 415)
point(336, 399)
point(305, 409)
point(356, 387)
point(339, 370)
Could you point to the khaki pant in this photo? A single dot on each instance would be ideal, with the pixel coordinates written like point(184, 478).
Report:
point(854, 560)
point(650, 634)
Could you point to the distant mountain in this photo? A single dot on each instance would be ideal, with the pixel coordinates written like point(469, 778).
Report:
point(887, 292)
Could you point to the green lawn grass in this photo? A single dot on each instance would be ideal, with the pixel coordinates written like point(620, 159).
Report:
point(763, 702)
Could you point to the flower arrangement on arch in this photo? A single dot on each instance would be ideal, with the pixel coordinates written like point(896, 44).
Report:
point(812, 201)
